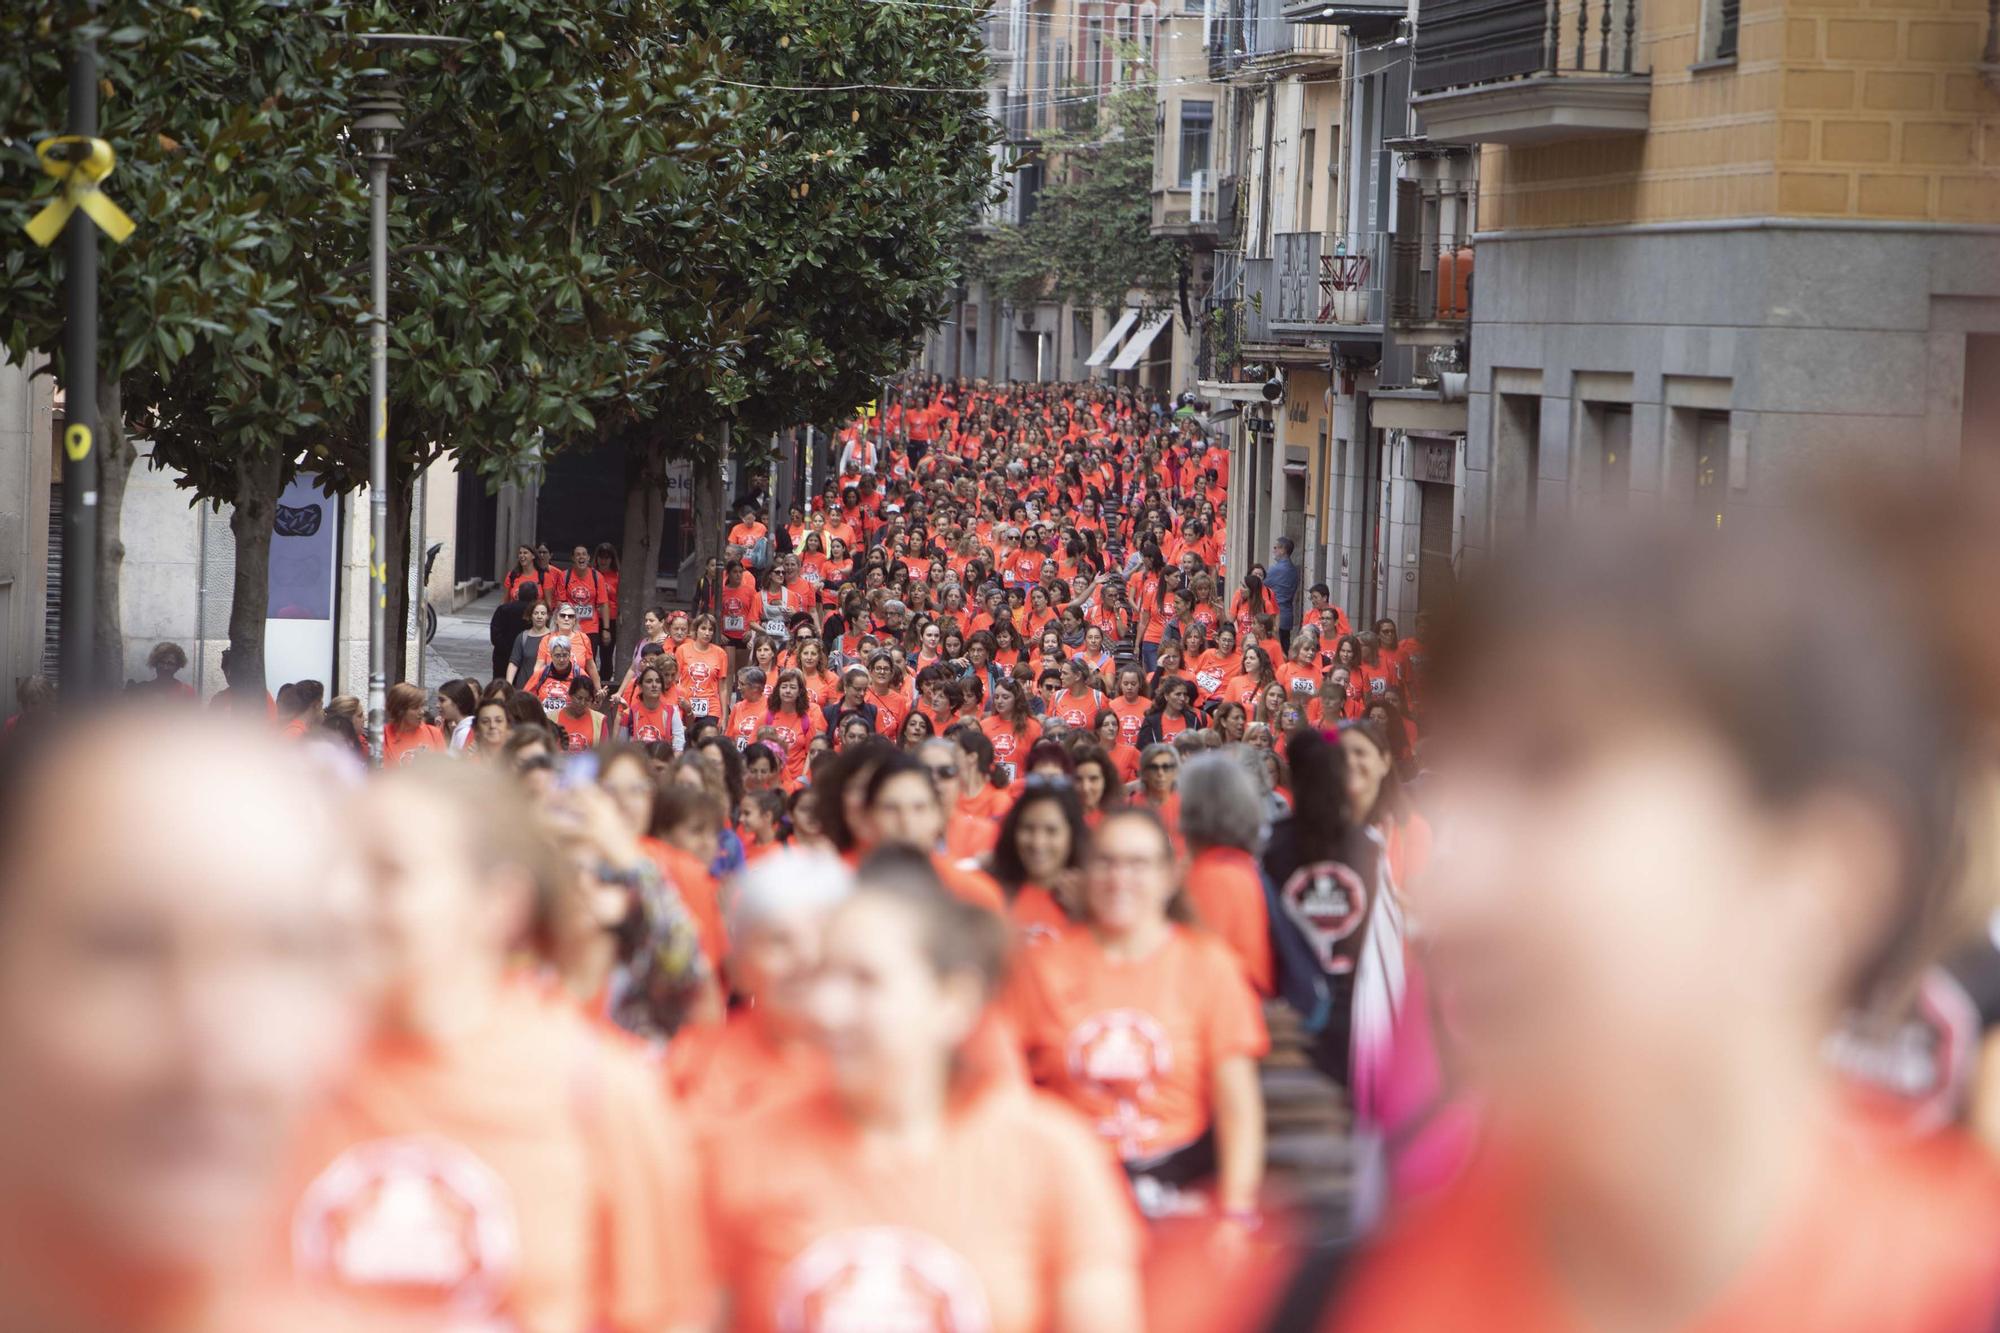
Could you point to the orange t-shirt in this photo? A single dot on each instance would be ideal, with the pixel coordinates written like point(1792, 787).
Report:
point(1037, 915)
point(798, 730)
point(1077, 714)
point(1126, 759)
point(579, 732)
point(813, 1232)
point(702, 673)
point(891, 711)
point(968, 837)
point(972, 886)
point(1131, 716)
point(1892, 1232)
point(530, 1175)
point(1010, 747)
point(646, 725)
point(746, 719)
point(1228, 894)
point(742, 608)
point(1213, 671)
point(722, 1072)
point(399, 746)
point(993, 801)
point(1134, 1045)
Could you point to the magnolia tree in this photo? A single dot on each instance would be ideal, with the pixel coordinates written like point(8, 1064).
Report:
point(235, 319)
point(831, 245)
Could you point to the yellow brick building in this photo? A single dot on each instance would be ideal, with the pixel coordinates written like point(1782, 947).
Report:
point(1723, 244)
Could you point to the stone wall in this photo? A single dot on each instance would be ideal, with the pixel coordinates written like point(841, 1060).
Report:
point(1819, 346)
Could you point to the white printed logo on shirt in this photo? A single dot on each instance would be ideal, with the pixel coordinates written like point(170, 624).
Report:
point(414, 1217)
point(880, 1280)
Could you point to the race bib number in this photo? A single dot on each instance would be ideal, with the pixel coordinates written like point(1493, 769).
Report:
point(732, 624)
point(1210, 681)
point(1005, 768)
point(699, 707)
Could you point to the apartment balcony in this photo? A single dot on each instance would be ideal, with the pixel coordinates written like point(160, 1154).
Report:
point(1366, 19)
point(1240, 33)
point(1224, 316)
point(1430, 289)
point(1188, 212)
point(1315, 287)
point(1296, 41)
point(1528, 71)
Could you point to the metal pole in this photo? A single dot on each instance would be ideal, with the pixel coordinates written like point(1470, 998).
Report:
point(379, 157)
point(79, 473)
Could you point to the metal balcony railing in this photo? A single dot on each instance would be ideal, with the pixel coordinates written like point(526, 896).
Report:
point(1431, 280)
point(1222, 319)
point(1320, 281)
point(1470, 42)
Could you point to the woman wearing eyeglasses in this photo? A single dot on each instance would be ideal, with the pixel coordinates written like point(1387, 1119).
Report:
point(920, 1189)
point(1159, 784)
point(1146, 1024)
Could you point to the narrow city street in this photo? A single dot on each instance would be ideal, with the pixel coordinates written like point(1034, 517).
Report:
point(1255, 666)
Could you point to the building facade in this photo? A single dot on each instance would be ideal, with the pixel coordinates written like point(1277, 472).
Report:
point(1723, 247)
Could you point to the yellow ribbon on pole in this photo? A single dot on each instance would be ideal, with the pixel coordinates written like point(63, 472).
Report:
point(79, 177)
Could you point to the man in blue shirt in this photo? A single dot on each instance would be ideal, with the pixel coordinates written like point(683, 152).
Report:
point(1282, 578)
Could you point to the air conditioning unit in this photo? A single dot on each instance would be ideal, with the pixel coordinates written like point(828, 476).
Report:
point(1199, 205)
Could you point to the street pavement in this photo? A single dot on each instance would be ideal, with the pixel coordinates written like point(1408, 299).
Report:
point(462, 647)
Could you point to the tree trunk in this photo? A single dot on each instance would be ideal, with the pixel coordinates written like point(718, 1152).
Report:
point(645, 533)
point(259, 482)
point(711, 514)
point(399, 573)
point(115, 456)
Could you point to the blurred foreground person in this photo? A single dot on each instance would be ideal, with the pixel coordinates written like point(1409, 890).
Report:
point(765, 1051)
point(498, 1159)
point(1689, 827)
point(916, 1190)
point(169, 1000)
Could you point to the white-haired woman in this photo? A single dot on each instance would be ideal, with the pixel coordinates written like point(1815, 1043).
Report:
point(1223, 812)
point(763, 1052)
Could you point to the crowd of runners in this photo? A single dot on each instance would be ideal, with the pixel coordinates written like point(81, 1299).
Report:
point(890, 940)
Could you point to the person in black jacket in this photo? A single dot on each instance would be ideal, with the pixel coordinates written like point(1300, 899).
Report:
point(509, 619)
point(1172, 713)
point(853, 700)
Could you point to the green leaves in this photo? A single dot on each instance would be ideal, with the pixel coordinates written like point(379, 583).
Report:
point(1090, 241)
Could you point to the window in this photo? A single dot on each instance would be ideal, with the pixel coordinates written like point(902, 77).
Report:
point(1718, 30)
point(1308, 142)
point(1197, 125)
